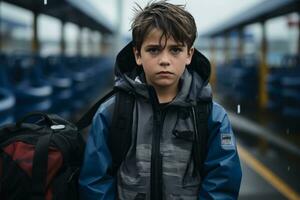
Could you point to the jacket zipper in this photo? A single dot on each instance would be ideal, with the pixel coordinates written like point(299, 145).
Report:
point(156, 157)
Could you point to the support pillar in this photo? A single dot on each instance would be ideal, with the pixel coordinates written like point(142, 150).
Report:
point(240, 49)
point(263, 69)
point(35, 45)
point(213, 62)
point(298, 49)
point(79, 41)
point(226, 48)
point(118, 33)
point(62, 39)
point(106, 44)
point(91, 43)
point(1, 33)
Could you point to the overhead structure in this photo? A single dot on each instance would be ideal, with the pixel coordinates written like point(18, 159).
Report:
point(10, 23)
point(258, 13)
point(81, 13)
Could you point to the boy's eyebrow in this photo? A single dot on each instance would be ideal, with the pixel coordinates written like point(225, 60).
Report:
point(159, 46)
point(152, 45)
point(176, 45)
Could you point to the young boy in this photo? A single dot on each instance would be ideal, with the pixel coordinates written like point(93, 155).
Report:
point(167, 77)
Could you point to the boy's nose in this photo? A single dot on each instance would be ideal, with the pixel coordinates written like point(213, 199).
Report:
point(164, 60)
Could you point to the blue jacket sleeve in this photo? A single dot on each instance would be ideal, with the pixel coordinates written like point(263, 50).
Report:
point(94, 182)
point(222, 170)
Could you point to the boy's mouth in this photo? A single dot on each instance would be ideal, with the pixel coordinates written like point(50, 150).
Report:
point(165, 73)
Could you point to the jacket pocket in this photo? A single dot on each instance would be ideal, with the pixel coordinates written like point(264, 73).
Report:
point(184, 127)
point(140, 196)
point(185, 135)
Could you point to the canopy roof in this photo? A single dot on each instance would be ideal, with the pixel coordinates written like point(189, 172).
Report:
point(258, 13)
point(79, 12)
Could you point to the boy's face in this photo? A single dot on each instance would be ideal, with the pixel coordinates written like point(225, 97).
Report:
point(163, 67)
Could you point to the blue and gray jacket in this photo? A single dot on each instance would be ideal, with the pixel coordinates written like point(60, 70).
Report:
point(221, 169)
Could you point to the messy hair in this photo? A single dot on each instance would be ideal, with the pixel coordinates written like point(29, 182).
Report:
point(173, 20)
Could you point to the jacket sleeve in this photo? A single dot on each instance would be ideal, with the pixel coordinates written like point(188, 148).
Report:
point(94, 182)
point(222, 170)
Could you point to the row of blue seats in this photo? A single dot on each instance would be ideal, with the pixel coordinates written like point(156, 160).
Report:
point(237, 80)
point(283, 85)
point(60, 85)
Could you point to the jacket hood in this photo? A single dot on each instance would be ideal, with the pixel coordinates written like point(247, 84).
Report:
point(194, 81)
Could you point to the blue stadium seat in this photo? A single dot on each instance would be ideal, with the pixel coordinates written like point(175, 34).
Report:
point(61, 81)
point(32, 91)
point(7, 103)
point(284, 87)
point(7, 98)
point(238, 79)
point(274, 89)
point(291, 93)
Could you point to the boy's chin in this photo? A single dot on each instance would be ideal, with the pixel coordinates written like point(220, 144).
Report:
point(164, 84)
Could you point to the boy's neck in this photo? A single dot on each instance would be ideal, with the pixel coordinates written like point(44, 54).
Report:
point(166, 95)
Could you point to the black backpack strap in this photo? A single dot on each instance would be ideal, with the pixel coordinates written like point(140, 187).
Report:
point(201, 114)
point(87, 118)
point(40, 167)
point(119, 138)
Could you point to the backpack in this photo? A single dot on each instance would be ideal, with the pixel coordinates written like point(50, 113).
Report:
point(40, 160)
point(41, 155)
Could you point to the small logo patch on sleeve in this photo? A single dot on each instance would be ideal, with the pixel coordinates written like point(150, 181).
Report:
point(227, 140)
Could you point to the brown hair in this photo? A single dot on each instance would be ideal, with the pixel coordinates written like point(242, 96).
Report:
point(172, 20)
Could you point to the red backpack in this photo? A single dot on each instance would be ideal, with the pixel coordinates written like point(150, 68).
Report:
point(40, 160)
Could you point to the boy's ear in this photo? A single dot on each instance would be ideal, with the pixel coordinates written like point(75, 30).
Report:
point(190, 54)
point(137, 56)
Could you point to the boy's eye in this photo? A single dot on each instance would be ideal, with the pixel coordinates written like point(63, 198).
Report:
point(153, 50)
point(176, 50)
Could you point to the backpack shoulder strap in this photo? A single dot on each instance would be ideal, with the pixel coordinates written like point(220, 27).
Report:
point(201, 115)
point(87, 118)
point(39, 167)
point(119, 139)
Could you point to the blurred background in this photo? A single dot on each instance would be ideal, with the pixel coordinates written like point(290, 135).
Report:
point(57, 56)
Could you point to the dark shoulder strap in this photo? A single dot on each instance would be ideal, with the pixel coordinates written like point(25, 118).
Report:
point(87, 118)
point(202, 112)
point(119, 138)
point(39, 167)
